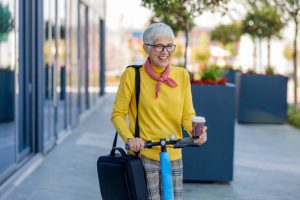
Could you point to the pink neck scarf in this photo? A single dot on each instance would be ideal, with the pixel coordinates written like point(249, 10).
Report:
point(162, 79)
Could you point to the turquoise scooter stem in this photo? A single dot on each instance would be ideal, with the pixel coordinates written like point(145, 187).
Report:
point(166, 172)
point(166, 176)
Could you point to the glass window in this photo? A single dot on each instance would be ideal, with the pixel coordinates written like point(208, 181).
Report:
point(8, 83)
point(72, 61)
point(84, 65)
point(61, 66)
point(49, 71)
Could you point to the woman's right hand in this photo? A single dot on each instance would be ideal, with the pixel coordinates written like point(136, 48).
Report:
point(135, 144)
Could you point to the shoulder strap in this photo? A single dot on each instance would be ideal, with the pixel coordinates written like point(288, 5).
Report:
point(137, 97)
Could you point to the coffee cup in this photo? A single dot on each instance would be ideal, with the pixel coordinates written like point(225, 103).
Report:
point(198, 125)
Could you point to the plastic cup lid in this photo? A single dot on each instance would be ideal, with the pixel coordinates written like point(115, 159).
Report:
point(198, 119)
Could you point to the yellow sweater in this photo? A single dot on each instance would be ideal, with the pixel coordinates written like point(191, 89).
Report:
point(158, 117)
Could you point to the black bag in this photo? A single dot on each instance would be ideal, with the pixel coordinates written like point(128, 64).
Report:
point(122, 176)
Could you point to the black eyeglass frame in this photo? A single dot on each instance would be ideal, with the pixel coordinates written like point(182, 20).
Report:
point(163, 47)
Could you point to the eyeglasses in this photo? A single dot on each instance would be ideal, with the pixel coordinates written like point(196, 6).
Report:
point(160, 47)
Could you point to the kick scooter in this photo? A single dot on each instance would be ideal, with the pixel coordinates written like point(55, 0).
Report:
point(165, 163)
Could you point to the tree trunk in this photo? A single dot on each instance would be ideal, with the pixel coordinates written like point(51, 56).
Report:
point(236, 52)
point(237, 47)
point(260, 55)
point(295, 63)
point(269, 52)
point(254, 54)
point(186, 32)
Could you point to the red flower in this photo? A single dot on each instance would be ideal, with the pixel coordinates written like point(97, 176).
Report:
point(222, 81)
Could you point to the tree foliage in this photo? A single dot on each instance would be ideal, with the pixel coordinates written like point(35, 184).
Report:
point(180, 14)
point(290, 8)
point(263, 23)
point(5, 22)
point(227, 33)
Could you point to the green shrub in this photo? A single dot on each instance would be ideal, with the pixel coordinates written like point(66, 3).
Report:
point(294, 116)
point(270, 70)
point(251, 71)
point(227, 67)
point(212, 72)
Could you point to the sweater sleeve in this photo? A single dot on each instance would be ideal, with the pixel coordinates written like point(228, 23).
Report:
point(188, 109)
point(121, 105)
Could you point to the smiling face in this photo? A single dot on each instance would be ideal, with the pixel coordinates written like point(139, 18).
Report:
point(160, 59)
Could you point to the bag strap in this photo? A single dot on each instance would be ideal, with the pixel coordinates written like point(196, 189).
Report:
point(137, 98)
point(112, 152)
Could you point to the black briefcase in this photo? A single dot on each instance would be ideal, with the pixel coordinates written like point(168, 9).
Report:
point(121, 176)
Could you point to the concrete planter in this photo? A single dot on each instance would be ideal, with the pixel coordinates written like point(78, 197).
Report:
point(261, 99)
point(230, 75)
point(7, 95)
point(212, 161)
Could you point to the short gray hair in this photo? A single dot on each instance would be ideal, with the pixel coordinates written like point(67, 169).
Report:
point(156, 30)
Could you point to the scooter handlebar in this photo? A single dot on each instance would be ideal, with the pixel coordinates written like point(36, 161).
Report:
point(181, 143)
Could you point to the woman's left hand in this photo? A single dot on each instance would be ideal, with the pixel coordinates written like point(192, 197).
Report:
point(203, 137)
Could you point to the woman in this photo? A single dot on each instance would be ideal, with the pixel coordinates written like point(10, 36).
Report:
point(165, 104)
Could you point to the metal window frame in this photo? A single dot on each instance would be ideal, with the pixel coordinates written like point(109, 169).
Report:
point(102, 56)
point(31, 58)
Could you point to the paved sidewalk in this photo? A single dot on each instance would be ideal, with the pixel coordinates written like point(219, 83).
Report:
point(267, 164)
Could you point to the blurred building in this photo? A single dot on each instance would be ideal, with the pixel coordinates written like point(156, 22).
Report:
point(52, 66)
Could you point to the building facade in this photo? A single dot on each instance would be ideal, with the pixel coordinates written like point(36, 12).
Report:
point(52, 66)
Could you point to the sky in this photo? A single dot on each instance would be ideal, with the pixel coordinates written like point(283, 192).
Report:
point(126, 14)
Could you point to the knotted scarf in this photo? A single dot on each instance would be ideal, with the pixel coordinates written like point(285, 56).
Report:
point(163, 77)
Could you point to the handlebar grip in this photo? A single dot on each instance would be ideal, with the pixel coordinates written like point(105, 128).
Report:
point(184, 142)
point(177, 146)
point(127, 147)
